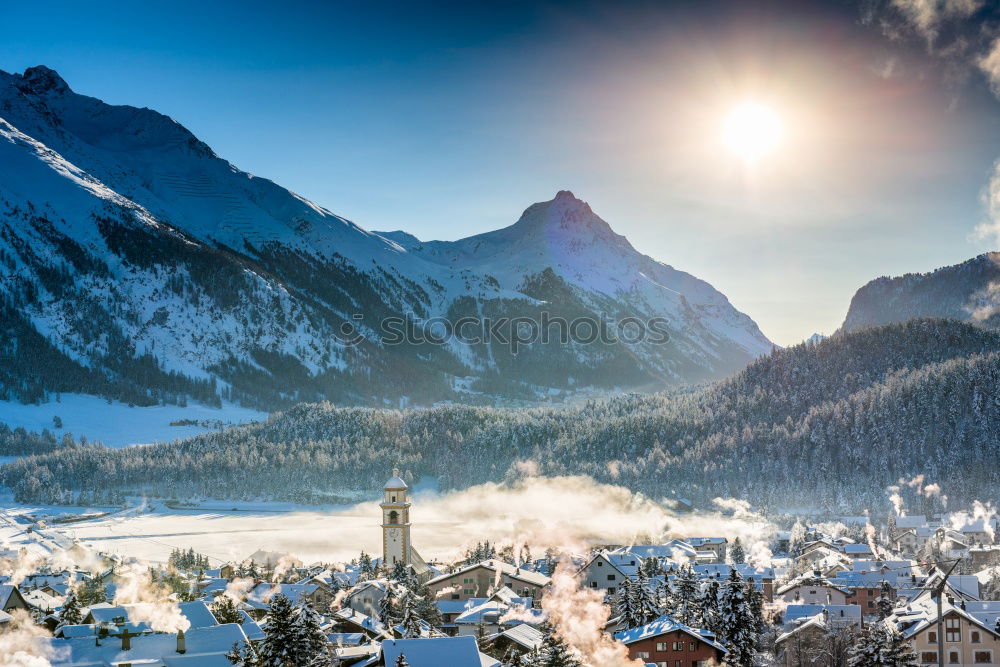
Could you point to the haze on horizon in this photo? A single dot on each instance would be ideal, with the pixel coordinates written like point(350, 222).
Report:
point(880, 139)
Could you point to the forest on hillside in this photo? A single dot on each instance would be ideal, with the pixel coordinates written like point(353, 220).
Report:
point(827, 425)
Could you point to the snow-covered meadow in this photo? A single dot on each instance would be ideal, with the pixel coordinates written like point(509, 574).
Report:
point(117, 424)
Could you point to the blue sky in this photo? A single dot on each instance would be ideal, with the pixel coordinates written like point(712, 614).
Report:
point(448, 119)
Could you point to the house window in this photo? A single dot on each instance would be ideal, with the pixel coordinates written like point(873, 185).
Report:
point(611, 577)
point(593, 584)
point(661, 646)
point(953, 658)
point(976, 639)
point(932, 638)
point(692, 646)
point(455, 596)
point(952, 630)
point(982, 657)
point(468, 591)
point(600, 564)
point(678, 646)
point(611, 591)
point(871, 605)
point(642, 654)
point(928, 657)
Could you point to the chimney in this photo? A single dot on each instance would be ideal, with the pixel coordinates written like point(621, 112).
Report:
point(181, 642)
point(126, 640)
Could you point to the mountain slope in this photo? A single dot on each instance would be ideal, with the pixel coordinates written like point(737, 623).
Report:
point(967, 291)
point(139, 265)
point(825, 425)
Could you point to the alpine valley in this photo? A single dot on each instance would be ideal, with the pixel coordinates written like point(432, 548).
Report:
point(138, 265)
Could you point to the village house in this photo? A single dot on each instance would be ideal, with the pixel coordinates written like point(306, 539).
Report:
point(716, 545)
point(666, 643)
point(515, 641)
point(11, 598)
point(608, 571)
point(481, 579)
point(970, 635)
point(812, 590)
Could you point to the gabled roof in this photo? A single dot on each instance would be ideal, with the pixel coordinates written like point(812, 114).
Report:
point(523, 635)
point(507, 569)
point(152, 649)
point(435, 652)
point(662, 626)
point(797, 612)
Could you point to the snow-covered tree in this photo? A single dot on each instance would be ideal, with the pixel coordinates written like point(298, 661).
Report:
point(737, 554)
point(401, 661)
point(70, 613)
point(686, 597)
point(409, 618)
point(279, 648)
point(387, 607)
point(880, 646)
point(737, 625)
point(554, 652)
point(885, 603)
point(312, 647)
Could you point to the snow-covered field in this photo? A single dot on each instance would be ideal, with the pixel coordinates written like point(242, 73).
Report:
point(562, 511)
point(118, 425)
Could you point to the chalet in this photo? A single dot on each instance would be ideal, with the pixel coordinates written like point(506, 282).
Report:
point(481, 579)
point(812, 590)
point(367, 596)
point(717, 545)
point(762, 577)
point(608, 570)
point(666, 643)
point(835, 616)
point(499, 611)
point(808, 641)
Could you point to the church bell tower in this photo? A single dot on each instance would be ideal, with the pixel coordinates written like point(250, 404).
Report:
point(396, 547)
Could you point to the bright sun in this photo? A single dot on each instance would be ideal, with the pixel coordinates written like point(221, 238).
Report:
point(752, 130)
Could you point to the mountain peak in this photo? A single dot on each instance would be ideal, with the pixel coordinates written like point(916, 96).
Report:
point(42, 79)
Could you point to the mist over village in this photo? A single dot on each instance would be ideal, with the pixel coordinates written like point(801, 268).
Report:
point(520, 334)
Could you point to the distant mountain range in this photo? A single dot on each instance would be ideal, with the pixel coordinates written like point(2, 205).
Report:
point(969, 291)
point(137, 264)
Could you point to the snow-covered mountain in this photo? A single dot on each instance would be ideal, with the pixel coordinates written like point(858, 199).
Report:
point(969, 291)
point(137, 264)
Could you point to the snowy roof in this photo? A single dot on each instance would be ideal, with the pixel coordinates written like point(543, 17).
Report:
point(663, 625)
point(524, 635)
point(152, 650)
point(260, 596)
point(796, 612)
point(492, 611)
point(705, 541)
point(435, 652)
point(395, 482)
point(915, 521)
point(250, 627)
point(857, 549)
point(507, 569)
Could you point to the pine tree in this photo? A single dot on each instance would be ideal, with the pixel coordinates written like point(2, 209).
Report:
point(885, 601)
point(386, 607)
point(225, 610)
point(554, 652)
point(400, 572)
point(880, 646)
point(737, 623)
point(401, 661)
point(92, 592)
point(279, 648)
point(709, 614)
point(312, 648)
point(70, 613)
point(648, 609)
point(685, 597)
point(408, 613)
point(737, 554)
point(426, 608)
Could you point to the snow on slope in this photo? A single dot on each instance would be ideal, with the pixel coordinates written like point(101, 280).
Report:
point(119, 425)
point(122, 234)
point(566, 235)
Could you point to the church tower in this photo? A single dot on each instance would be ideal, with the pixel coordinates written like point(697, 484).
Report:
point(396, 547)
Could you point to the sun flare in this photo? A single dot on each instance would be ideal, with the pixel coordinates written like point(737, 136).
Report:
point(752, 130)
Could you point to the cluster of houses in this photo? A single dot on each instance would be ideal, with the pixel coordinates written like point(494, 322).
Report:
point(817, 592)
